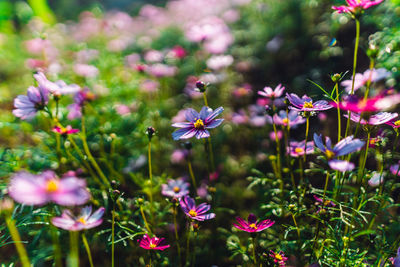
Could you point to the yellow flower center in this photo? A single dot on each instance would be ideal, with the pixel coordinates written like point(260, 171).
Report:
point(299, 150)
point(82, 220)
point(308, 105)
point(278, 257)
point(52, 186)
point(193, 213)
point(199, 124)
point(285, 121)
point(253, 225)
point(327, 202)
point(152, 245)
point(176, 189)
point(329, 154)
point(397, 123)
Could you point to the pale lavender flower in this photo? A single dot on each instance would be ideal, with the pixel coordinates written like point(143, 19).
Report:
point(361, 79)
point(27, 106)
point(86, 70)
point(31, 189)
point(85, 220)
point(377, 119)
point(376, 179)
point(175, 188)
point(219, 62)
point(272, 93)
point(56, 88)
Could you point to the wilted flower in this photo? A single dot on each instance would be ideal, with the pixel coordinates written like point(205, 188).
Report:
point(198, 123)
point(296, 149)
point(26, 106)
point(361, 79)
point(30, 189)
point(252, 226)
point(345, 146)
point(306, 103)
point(195, 213)
point(377, 119)
point(175, 188)
point(292, 118)
point(64, 130)
point(326, 203)
point(56, 88)
point(153, 243)
point(272, 93)
point(279, 258)
point(85, 220)
point(356, 6)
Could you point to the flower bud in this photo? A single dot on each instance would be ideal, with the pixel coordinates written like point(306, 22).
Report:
point(201, 86)
point(150, 132)
point(336, 77)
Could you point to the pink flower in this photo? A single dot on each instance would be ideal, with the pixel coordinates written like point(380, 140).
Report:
point(279, 258)
point(85, 220)
point(178, 52)
point(361, 79)
point(356, 5)
point(252, 225)
point(30, 189)
point(65, 130)
point(219, 62)
point(272, 135)
point(56, 88)
point(296, 149)
point(272, 93)
point(153, 243)
point(86, 70)
point(161, 70)
point(122, 109)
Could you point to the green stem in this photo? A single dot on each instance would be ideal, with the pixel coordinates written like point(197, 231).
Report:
point(192, 174)
point(295, 224)
point(210, 151)
point(56, 245)
point(371, 67)
point(144, 219)
point(86, 244)
point(177, 236)
point(305, 141)
point(325, 188)
point(205, 99)
point(254, 251)
point(278, 151)
point(23, 255)
point(338, 112)
point(112, 237)
point(73, 260)
point(150, 175)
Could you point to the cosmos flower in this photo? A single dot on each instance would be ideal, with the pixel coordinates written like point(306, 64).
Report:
point(153, 243)
point(56, 88)
point(64, 130)
point(361, 79)
point(197, 124)
point(272, 93)
point(377, 119)
point(30, 189)
point(355, 5)
point(85, 220)
point(219, 62)
point(376, 179)
point(345, 146)
point(395, 123)
point(395, 169)
point(306, 103)
point(279, 258)
point(26, 106)
point(296, 149)
point(175, 188)
point(80, 98)
point(195, 213)
point(320, 202)
point(354, 104)
point(252, 226)
point(292, 118)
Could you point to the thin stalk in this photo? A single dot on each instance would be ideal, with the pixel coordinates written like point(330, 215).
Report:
point(338, 112)
point(150, 175)
point(86, 244)
point(112, 236)
point(73, 260)
point(205, 99)
point(305, 143)
point(56, 245)
point(295, 224)
point(177, 236)
point(254, 251)
point(192, 174)
point(188, 246)
point(194, 249)
point(325, 188)
point(144, 219)
point(210, 151)
point(371, 67)
point(278, 150)
point(23, 255)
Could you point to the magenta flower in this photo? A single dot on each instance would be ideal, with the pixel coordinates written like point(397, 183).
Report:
point(27, 106)
point(395, 123)
point(175, 188)
point(326, 203)
point(85, 220)
point(30, 189)
point(296, 149)
point(377, 119)
point(272, 93)
point(195, 213)
point(395, 169)
point(198, 123)
point(64, 130)
point(153, 243)
point(279, 258)
point(306, 103)
point(354, 104)
point(292, 118)
point(252, 226)
point(345, 146)
point(356, 5)
point(56, 88)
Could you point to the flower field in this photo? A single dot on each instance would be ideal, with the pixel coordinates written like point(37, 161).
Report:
point(200, 133)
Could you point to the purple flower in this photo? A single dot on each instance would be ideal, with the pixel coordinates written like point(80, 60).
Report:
point(252, 226)
point(279, 258)
point(296, 149)
point(292, 118)
point(376, 179)
point(272, 93)
point(30, 189)
point(27, 106)
point(153, 243)
point(395, 169)
point(377, 119)
point(326, 203)
point(195, 213)
point(175, 188)
point(80, 98)
point(57, 88)
point(361, 79)
point(344, 147)
point(306, 103)
point(198, 123)
point(85, 220)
